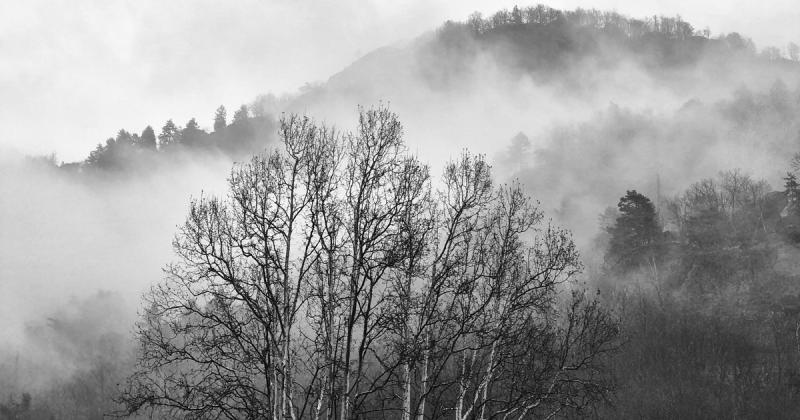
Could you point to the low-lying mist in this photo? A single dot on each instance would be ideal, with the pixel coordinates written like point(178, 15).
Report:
point(599, 112)
point(577, 170)
point(66, 236)
point(577, 135)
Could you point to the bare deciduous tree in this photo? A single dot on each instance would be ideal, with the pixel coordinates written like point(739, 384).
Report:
point(335, 281)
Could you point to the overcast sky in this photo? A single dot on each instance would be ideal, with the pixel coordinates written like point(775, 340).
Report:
point(73, 73)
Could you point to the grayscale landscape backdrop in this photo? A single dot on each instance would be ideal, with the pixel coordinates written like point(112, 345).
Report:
point(400, 210)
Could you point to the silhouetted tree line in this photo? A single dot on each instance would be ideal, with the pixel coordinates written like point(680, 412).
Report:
point(537, 39)
point(416, 301)
point(243, 135)
point(543, 15)
point(545, 41)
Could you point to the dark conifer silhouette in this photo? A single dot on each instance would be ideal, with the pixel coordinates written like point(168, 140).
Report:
point(220, 119)
point(636, 236)
point(148, 139)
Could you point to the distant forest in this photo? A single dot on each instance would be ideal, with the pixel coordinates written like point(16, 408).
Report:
point(244, 134)
point(538, 40)
point(686, 305)
point(546, 42)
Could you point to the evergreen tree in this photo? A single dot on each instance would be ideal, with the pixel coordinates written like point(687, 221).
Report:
point(792, 187)
point(636, 235)
point(516, 16)
point(792, 192)
point(192, 135)
point(148, 139)
point(789, 223)
point(169, 135)
point(96, 156)
point(240, 133)
point(220, 119)
point(124, 138)
point(240, 116)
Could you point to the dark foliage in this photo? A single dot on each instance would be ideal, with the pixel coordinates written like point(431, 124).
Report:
point(715, 332)
point(635, 238)
point(245, 135)
point(545, 42)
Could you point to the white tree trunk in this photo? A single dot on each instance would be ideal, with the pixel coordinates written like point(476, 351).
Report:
point(421, 412)
point(407, 391)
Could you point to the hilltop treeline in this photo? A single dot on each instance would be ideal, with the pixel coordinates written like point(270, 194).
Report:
point(543, 41)
point(247, 132)
point(393, 303)
point(703, 286)
point(708, 289)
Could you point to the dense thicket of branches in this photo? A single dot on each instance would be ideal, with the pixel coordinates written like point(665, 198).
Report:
point(337, 280)
point(340, 279)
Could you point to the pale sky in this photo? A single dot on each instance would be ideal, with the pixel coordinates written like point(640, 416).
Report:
point(74, 72)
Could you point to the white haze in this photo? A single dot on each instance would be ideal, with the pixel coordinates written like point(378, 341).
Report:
point(65, 237)
point(73, 75)
point(80, 71)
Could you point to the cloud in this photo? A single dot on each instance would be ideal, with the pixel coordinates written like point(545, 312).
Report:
point(63, 237)
point(72, 74)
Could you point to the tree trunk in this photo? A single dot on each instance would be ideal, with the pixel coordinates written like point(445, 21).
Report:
point(424, 389)
point(488, 379)
point(407, 391)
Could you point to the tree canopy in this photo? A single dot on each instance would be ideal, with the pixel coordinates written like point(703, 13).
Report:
point(337, 279)
point(636, 236)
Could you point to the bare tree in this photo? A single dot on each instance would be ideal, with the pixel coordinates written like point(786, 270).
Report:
point(335, 281)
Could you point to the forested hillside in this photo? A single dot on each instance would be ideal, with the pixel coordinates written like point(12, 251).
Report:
point(576, 52)
point(708, 292)
point(572, 49)
point(622, 241)
point(247, 132)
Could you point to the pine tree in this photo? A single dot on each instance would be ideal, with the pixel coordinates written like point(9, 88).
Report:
point(148, 139)
point(636, 236)
point(241, 115)
point(169, 135)
point(792, 191)
point(220, 119)
point(791, 186)
point(516, 16)
point(124, 138)
point(192, 135)
point(240, 133)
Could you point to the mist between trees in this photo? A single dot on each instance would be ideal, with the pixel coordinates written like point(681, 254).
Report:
point(338, 276)
point(339, 280)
